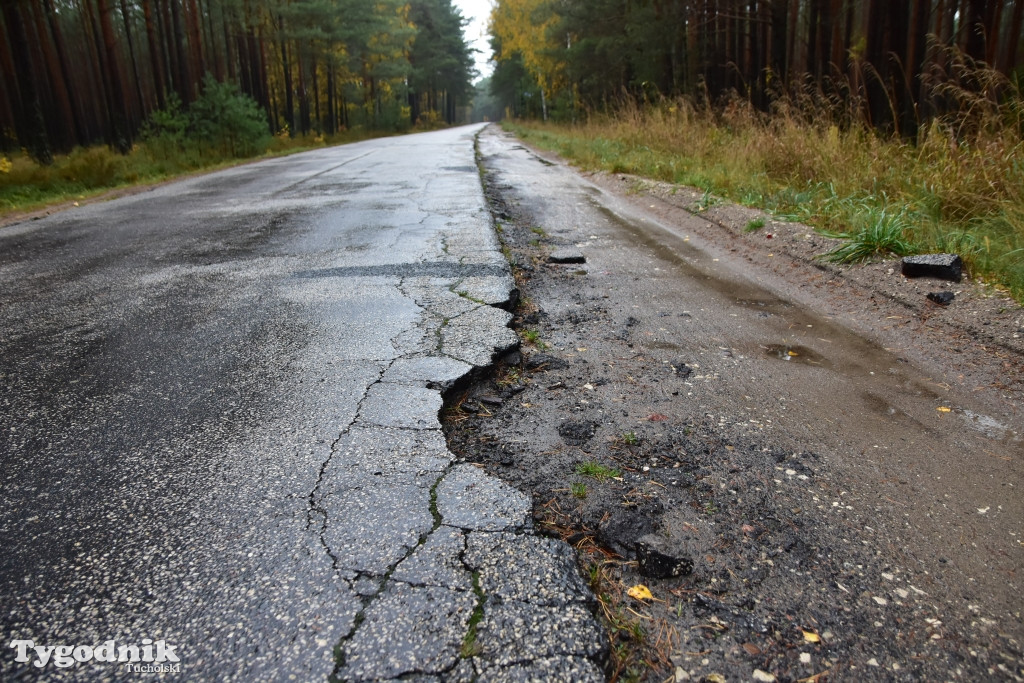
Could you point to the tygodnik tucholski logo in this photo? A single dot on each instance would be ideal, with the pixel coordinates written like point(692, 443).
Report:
point(146, 657)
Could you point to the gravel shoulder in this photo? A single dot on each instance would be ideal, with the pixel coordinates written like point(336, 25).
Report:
point(812, 468)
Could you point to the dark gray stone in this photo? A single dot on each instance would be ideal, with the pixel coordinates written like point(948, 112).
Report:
point(544, 361)
point(941, 266)
point(941, 298)
point(567, 256)
point(680, 367)
point(659, 564)
point(577, 433)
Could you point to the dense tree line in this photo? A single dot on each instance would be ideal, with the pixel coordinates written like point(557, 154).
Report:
point(886, 59)
point(77, 72)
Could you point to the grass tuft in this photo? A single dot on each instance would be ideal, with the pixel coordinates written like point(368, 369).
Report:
point(597, 471)
point(882, 232)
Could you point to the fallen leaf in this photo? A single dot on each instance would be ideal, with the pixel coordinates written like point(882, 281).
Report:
point(752, 649)
point(640, 592)
point(944, 409)
point(792, 353)
point(658, 417)
point(811, 636)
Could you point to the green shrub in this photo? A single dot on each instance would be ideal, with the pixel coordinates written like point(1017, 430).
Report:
point(223, 117)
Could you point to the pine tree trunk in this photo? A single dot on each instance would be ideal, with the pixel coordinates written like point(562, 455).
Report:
point(139, 99)
point(120, 133)
point(183, 79)
point(289, 104)
point(59, 86)
point(155, 61)
point(31, 125)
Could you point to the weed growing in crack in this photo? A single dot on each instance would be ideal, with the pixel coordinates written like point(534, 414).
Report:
point(533, 337)
point(467, 295)
point(537, 230)
point(578, 489)
point(597, 471)
point(630, 438)
point(470, 646)
point(754, 225)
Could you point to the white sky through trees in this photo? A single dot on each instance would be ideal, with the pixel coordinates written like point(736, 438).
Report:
point(478, 11)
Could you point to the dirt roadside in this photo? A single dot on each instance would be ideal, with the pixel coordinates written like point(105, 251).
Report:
point(670, 450)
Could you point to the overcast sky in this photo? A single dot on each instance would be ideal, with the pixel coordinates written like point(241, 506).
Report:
point(476, 32)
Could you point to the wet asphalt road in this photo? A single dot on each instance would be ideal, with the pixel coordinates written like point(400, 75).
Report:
point(219, 428)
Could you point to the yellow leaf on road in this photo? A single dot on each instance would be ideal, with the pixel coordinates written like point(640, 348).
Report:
point(944, 409)
point(640, 592)
point(811, 636)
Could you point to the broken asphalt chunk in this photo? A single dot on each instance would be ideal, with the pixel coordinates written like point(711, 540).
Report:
point(941, 298)
point(658, 564)
point(469, 498)
point(941, 266)
point(566, 256)
point(544, 361)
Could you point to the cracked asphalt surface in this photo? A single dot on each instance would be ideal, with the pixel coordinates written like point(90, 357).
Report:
point(219, 428)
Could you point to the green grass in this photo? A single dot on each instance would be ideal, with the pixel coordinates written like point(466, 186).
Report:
point(578, 489)
point(533, 337)
point(880, 232)
point(958, 187)
point(597, 471)
point(754, 225)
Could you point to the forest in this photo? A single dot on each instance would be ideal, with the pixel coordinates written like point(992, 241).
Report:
point(84, 72)
point(887, 59)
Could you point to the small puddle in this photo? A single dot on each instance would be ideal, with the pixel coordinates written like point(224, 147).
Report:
point(989, 426)
point(766, 305)
point(795, 353)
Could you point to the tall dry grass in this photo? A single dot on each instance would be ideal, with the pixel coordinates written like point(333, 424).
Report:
point(958, 187)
